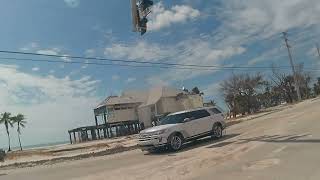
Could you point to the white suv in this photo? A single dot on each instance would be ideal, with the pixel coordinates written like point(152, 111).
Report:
point(180, 127)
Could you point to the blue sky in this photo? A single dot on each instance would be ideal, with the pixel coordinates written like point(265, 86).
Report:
point(57, 97)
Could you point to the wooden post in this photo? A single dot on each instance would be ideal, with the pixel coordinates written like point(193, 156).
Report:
point(127, 129)
point(98, 130)
point(93, 134)
point(96, 119)
point(79, 136)
point(105, 118)
point(134, 128)
point(130, 129)
point(104, 133)
point(74, 137)
point(70, 137)
point(111, 132)
point(107, 129)
point(121, 130)
point(87, 136)
point(139, 128)
point(117, 130)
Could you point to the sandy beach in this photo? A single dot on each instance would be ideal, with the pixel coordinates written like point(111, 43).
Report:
point(60, 153)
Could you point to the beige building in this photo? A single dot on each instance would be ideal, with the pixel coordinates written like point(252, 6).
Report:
point(146, 106)
point(164, 100)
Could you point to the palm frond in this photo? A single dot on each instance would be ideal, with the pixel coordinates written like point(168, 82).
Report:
point(10, 123)
point(18, 118)
point(23, 122)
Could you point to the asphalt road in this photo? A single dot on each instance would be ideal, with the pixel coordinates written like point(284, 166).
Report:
point(282, 145)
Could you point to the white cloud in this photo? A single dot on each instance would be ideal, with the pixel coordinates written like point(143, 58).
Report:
point(90, 52)
point(34, 47)
point(50, 86)
point(35, 69)
point(52, 105)
point(115, 77)
point(55, 52)
point(198, 52)
point(138, 51)
point(52, 51)
point(161, 18)
point(72, 3)
point(195, 51)
point(84, 66)
point(130, 80)
point(271, 55)
point(66, 58)
point(262, 22)
point(269, 17)
point(30, 47)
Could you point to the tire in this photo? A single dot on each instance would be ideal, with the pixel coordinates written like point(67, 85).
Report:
point(217, 131)
point(175, 142)
point(152, 151)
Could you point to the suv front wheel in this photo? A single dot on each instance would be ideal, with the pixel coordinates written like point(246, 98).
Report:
point(175, 142)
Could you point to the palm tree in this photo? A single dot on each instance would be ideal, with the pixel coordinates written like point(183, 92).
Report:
point(19, 119)
point(6, 120)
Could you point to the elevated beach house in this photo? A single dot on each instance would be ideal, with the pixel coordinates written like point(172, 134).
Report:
point(145, 107)
point(134, 110)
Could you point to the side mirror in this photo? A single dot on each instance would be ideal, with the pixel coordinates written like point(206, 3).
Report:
point(186, 120)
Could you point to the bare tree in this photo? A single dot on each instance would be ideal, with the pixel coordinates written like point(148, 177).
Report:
point(284, 84)
point(240, 92)
point(316, 87)
point(231, 89)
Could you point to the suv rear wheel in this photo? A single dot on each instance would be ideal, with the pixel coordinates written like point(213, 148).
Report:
point(217, 131)
point(175, 142)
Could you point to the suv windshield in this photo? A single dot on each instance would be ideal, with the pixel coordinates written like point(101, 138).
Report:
point(173, 119)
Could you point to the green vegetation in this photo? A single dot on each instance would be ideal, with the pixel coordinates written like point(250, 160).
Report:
point(245, 93)
point(21, 123)
point(9, 121)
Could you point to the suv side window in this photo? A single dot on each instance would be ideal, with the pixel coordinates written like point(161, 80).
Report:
point(189, 115)
point(215, 111)
point(200, 114)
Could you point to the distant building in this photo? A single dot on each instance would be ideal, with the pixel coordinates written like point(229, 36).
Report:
point(145, 106)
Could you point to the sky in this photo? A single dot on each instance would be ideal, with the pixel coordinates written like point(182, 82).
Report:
point(56, 97)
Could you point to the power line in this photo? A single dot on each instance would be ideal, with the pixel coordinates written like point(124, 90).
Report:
point(110, 64)
point(151, 64)
point(137, 62)
point(137, 66)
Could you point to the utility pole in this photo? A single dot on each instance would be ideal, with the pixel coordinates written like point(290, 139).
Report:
point(296, 84)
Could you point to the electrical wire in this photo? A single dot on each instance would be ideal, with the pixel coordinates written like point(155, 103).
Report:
point(139, 62)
